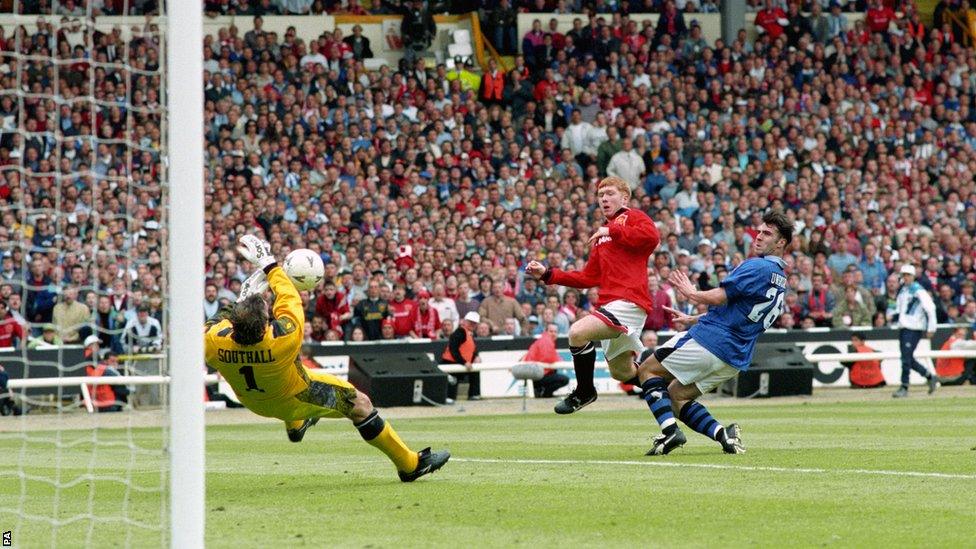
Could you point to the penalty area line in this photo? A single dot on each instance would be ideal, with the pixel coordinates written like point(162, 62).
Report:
point(748, 468)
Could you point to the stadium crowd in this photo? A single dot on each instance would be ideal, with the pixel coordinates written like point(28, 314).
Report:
point(427, 190)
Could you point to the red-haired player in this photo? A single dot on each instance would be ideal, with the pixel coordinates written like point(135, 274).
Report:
point(619, 252)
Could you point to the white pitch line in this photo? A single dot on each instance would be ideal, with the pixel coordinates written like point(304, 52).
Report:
point(807, 470)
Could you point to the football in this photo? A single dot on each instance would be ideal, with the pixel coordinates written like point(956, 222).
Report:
point(304, 267)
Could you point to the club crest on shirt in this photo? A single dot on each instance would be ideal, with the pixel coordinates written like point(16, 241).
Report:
point(621, 219)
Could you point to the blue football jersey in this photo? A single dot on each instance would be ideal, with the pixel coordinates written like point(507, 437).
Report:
point(755, 291)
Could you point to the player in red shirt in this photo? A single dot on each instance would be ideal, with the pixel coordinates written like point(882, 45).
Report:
point(619, 252)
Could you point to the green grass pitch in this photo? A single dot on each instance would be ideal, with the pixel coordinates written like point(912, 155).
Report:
point(863, 474)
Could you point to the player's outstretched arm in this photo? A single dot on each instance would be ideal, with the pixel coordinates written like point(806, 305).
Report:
point(589, 277)
point(289, 318)
point(683, 318)
point(255, 284)
point(680, 282)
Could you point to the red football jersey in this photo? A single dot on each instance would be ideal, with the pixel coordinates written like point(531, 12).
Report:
point(618, 263)
point(402, 316)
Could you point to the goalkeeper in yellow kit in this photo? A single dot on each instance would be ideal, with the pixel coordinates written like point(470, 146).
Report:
point(258, 356)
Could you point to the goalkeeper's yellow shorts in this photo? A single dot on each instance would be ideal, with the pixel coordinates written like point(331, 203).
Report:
point(325, 396)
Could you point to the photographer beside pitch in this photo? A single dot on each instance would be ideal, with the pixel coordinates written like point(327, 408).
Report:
point(259, 356)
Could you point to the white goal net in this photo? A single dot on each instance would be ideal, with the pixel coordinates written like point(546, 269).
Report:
point(99, 418)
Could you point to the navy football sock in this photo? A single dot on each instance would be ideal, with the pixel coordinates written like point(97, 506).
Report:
point(697, 417)
point(659, 401)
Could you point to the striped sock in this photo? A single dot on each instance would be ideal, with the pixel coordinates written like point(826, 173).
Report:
point(659, 401)
point(697, 417)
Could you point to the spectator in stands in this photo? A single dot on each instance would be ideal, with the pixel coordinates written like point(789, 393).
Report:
point(143, 334)
point(462, 349)
point(658, 318)
point(446, 309)
point(402, 311)
point(850, 310)
point(492, 89)
point(848, 280)
point(695, 45)
point(210, 303)
point(569, 309)
point(387, 329)
point(837, 26)
point(40, 297)
point(872, 269)
point(819, 23)
point(9, 272)
point(370, 312)
point(864, 374)
point(670, 23)
point(463, 301)
point(334, 307)
point(771, 21)
point(49, 338)
point(11, 332)
point(533, 39)
point(531, 292)
point(69, 315)
point(107, 324)
point(627, 164)
point(426, 321)
point(841, 257)
point(497, 307)
point(879, 16)
point(358, 44)
point(819, 303)
point(417, 29)
point(503, 22)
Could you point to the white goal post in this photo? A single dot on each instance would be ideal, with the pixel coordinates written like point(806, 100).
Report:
point(184, 100)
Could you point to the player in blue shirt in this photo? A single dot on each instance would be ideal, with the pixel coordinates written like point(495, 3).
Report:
point(720, 343)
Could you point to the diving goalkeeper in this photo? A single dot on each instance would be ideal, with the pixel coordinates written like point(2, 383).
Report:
point(259, 357)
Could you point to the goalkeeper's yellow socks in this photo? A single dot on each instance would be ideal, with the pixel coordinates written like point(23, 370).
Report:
point(380, 434)
point(294, 425)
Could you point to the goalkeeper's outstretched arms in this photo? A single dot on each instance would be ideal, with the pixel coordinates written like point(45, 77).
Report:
point(288, 322)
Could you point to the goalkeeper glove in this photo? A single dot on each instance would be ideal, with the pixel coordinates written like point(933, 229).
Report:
point(255, 284)
point(257, 251)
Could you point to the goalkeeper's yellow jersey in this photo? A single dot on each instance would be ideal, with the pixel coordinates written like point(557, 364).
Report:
point(270, 371)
